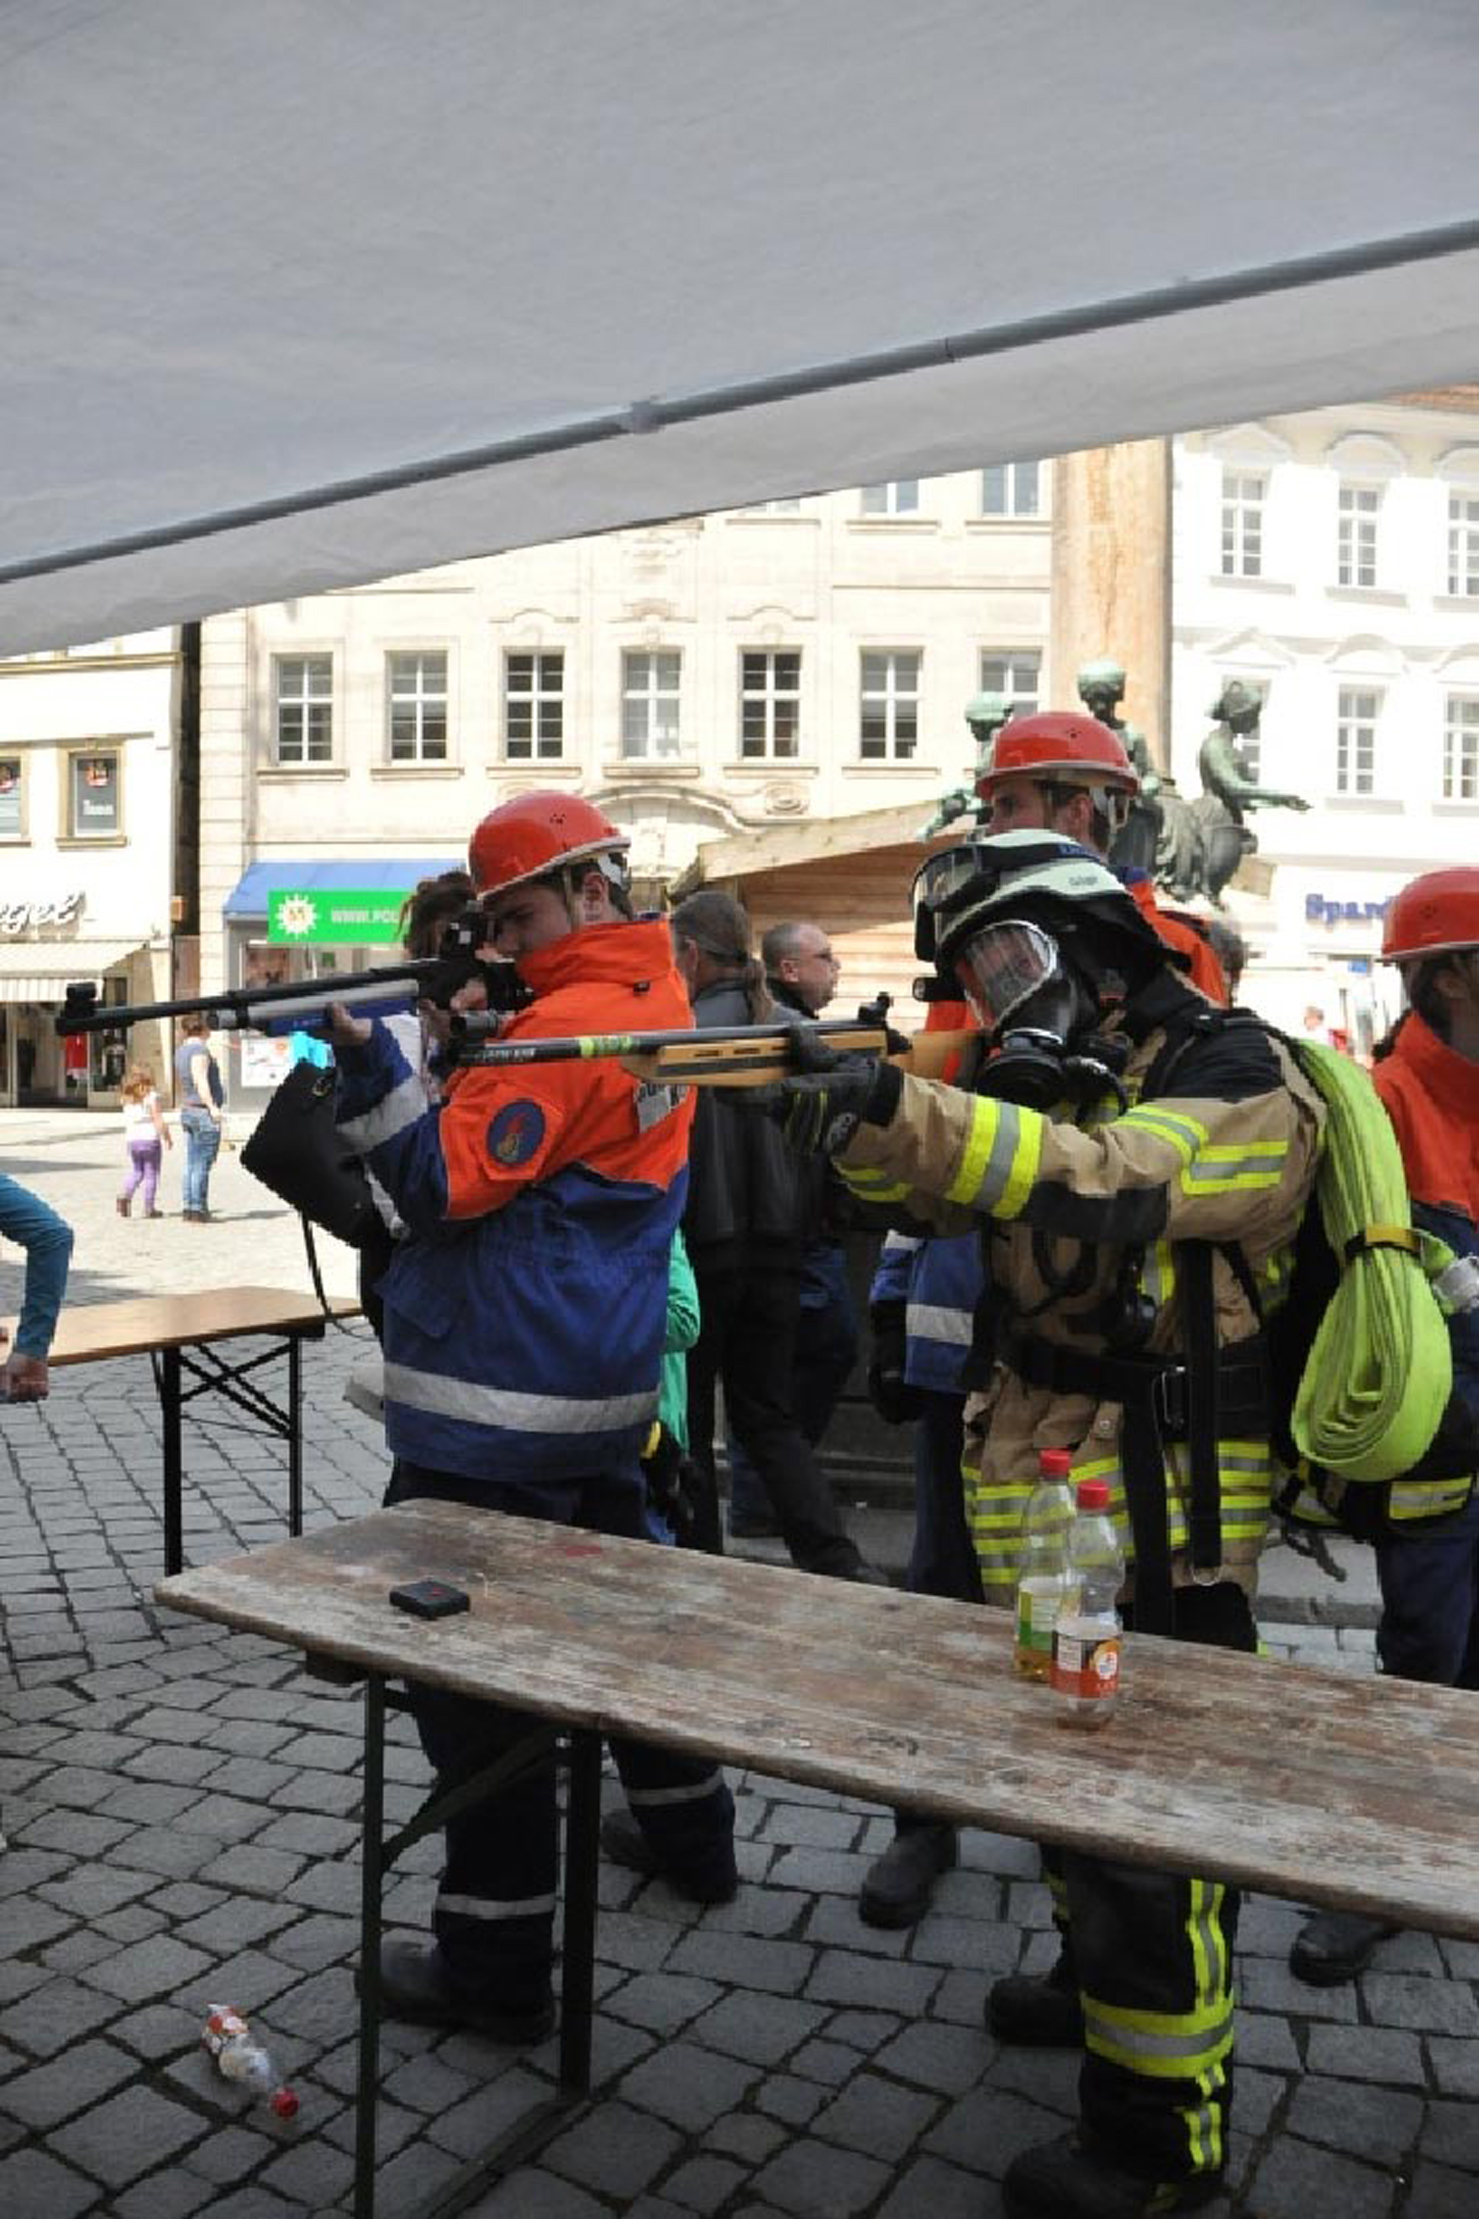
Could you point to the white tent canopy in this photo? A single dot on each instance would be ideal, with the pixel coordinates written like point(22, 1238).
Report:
point(313, 291)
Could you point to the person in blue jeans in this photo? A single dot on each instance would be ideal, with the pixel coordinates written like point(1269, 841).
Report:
point(47, 1241)
point(202, 1099)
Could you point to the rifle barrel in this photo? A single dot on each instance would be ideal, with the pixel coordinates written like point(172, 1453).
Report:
point(235, 1008)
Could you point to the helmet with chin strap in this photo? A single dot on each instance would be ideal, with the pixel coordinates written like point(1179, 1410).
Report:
point(535, 835)
point(1061, 747)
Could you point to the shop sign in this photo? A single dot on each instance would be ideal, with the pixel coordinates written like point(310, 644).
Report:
point(62, 910)
point(1319, 911)
point(337, 920)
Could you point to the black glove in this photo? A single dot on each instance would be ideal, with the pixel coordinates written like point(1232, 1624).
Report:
point(821, 1108)
point(888, 1390)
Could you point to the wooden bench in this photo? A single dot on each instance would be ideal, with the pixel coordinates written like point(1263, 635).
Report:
point(1350, 1790)
point(181, 1333)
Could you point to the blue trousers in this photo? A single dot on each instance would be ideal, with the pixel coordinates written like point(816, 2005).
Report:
point(1429, 1627)
point(202, 1146)
point(495, 1908)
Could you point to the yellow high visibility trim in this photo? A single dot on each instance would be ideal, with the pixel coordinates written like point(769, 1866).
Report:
point(873, 1186)
point(1229, 1169)
point(1183, 1134)
point(999, 1162)
point(976, 1153)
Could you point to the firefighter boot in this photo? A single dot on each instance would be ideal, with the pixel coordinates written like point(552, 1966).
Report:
point(1041, 2010)
point(625, 1844)
point(1073, 2178)
point(898, 1885)
point(1335, 1945)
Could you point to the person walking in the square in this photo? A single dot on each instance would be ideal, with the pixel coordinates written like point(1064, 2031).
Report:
point(145, 1138)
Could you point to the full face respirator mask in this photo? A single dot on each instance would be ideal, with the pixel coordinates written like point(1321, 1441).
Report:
point(1038, 1015)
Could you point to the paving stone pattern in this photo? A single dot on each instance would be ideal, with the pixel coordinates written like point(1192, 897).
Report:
point(181, 1805)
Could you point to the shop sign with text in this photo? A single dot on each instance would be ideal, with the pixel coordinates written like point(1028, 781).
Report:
point(336, 920)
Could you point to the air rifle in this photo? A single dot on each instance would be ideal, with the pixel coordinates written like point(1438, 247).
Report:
point(709, 1055)
point(302, 1002)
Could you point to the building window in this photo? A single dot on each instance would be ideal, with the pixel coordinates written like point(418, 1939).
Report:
point(1461, 748)
point(1463, 544)
point(1242, 523)
point(1355, 554)
point(1355, 740)
point(1011, 489)
point(786, 506)
point(12, 799)
point(93, 805)
point(534, 706)
point(770, 702)
point(303, 690)
point(650, 687)
point(418, 706)
point(888, 728)
point(1015, 672)
point(900, 497)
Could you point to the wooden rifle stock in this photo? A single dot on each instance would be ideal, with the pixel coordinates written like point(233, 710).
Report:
point(738, 1055)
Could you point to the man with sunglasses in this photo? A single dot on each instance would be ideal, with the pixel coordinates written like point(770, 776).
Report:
point(1137, 1165)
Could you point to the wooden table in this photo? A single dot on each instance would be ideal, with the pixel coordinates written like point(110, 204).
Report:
point(1333, 1788)
point(180, 1334)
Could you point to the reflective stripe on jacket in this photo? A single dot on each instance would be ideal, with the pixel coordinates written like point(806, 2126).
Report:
point(939, 1283)
point(525, 1312)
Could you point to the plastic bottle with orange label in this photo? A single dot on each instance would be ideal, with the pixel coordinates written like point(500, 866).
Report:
point(1085, 1671)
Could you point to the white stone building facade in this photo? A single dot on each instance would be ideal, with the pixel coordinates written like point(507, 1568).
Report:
point(803, 661)
point(1333, 558)
point(87, 824)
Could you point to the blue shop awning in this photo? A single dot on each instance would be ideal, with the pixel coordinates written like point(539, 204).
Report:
point(391, 874)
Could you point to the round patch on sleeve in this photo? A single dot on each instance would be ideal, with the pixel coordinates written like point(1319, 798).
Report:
point(516, 1134)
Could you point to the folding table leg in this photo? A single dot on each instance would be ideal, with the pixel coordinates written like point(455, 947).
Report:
point(295, 1435)
point(582, 1870)
point(371, 1886)
point(168, 1378)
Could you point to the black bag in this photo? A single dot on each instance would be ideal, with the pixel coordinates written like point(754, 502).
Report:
point(296, 1152)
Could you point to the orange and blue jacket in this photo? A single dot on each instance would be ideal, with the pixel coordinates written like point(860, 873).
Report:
point(1431, 1094)
point(525, 1312)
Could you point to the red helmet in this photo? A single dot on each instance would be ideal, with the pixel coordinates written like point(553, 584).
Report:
point(1059, 748)
point(535, 834)
point(1436, 915)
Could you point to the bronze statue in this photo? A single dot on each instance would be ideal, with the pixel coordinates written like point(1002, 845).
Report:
point(1204, 841)
point(1101, 685)
point(985, 714)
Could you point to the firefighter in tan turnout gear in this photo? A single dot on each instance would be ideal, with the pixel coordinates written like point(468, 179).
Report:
point(1138, 1164)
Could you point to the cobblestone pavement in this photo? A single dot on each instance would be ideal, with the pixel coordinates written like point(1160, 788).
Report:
point(181, 1805)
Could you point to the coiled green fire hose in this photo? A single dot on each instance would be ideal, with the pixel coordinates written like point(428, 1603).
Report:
point(1380, 1369)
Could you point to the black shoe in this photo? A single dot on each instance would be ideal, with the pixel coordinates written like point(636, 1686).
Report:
point(1041, 2010)
point(897, 1886)
point(1335, 1945)
point(1066, 2179)
point(625, 1844)
point(867, 1575)
point(415, 1985)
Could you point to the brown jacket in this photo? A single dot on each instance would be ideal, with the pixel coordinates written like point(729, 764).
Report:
point(1228, 1157)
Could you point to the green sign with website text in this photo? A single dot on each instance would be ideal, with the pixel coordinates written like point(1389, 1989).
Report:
point(336, 920)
